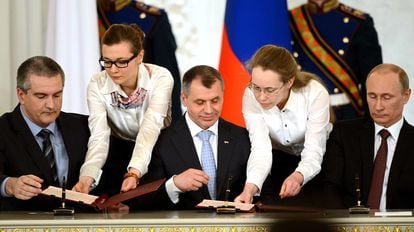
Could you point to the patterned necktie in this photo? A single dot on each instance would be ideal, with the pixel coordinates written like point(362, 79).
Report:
point(48, 153)
point(375, 192)
point(207, 161)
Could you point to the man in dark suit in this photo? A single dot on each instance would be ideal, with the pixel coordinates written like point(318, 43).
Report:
point(340, 45)
point(354, 149)
point(179, 152)
point(26, 165)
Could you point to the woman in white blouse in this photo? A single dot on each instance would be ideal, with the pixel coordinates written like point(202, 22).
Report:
point(287, 115)
point(129, 103)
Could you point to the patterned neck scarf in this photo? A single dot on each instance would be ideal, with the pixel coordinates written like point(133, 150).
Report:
point(134, 101)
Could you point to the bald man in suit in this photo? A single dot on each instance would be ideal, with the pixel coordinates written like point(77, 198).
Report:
point(353, 147)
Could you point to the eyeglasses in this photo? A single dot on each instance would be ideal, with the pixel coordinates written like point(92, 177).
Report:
point(267, 91)
point(117, 63)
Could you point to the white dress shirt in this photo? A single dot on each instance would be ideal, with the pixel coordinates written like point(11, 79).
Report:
point(172, 190)
point(141, 124)
point(301, 128)
point(391, 144)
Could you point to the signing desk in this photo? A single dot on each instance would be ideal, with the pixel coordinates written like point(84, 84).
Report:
point(192, 221)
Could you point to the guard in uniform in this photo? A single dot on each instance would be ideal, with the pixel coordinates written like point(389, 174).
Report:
point(340, 45)
point(159, 42)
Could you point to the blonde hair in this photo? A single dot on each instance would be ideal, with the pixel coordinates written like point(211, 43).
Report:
point(281, 61)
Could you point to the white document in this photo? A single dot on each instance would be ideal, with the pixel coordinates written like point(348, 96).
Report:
point(70, 195)
point(215, 204)
point(393, 213)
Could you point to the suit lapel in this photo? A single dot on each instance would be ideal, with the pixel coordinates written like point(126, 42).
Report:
point(403, 150)
point(367, 139)
point(224, 156)
point(185, 149)
point(69, 135)
point(33, 151)
point(184, 145)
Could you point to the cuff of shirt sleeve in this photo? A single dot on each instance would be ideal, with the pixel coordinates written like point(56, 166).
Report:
point(142, 168)
point(3, 188)
point(306, 178)
point(256, 180)
point(93, 172)
point(172, 190)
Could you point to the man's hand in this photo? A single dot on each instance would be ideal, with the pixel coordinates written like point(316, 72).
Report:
point(24, 187)
point(84, 184)
point(190, 180)
point(247, 195)
point(131, 181)
point(292, 185)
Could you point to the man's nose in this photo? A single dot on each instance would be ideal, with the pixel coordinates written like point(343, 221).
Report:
point(208, 108)
point(378, 104)
point(50, 103)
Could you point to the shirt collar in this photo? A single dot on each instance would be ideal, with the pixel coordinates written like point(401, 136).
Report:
point(34, 128)
point(327, 5)
point(143, 81)
point(291, 101)
point(195, 129)
point(394, 129)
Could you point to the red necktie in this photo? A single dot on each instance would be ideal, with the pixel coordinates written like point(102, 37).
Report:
point(377, 181)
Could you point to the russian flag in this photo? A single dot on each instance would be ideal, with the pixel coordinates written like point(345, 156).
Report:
point(248, 26)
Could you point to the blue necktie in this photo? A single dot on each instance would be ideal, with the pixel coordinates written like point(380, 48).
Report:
point(207, 161)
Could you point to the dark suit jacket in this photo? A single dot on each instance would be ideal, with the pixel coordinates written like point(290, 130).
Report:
point(21, 155)
point(175, 152)
point(350, 152)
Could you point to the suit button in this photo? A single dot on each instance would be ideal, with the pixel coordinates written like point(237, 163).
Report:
point(341, 52)
point(142, 15)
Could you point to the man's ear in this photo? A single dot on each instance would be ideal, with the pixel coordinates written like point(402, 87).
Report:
point(183, 99)
point(406, 95)
point(20, 95)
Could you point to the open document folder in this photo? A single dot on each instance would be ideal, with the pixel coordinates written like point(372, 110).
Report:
point(103, 201)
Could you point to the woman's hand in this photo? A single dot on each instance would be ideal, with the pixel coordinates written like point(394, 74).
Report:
point(131, 179)
point(292, 185)
point(247, 195)
point(84, 184)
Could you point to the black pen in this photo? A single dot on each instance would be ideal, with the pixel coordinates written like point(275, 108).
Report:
point(226, 196)
point(63, 192)
point(357, 190)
